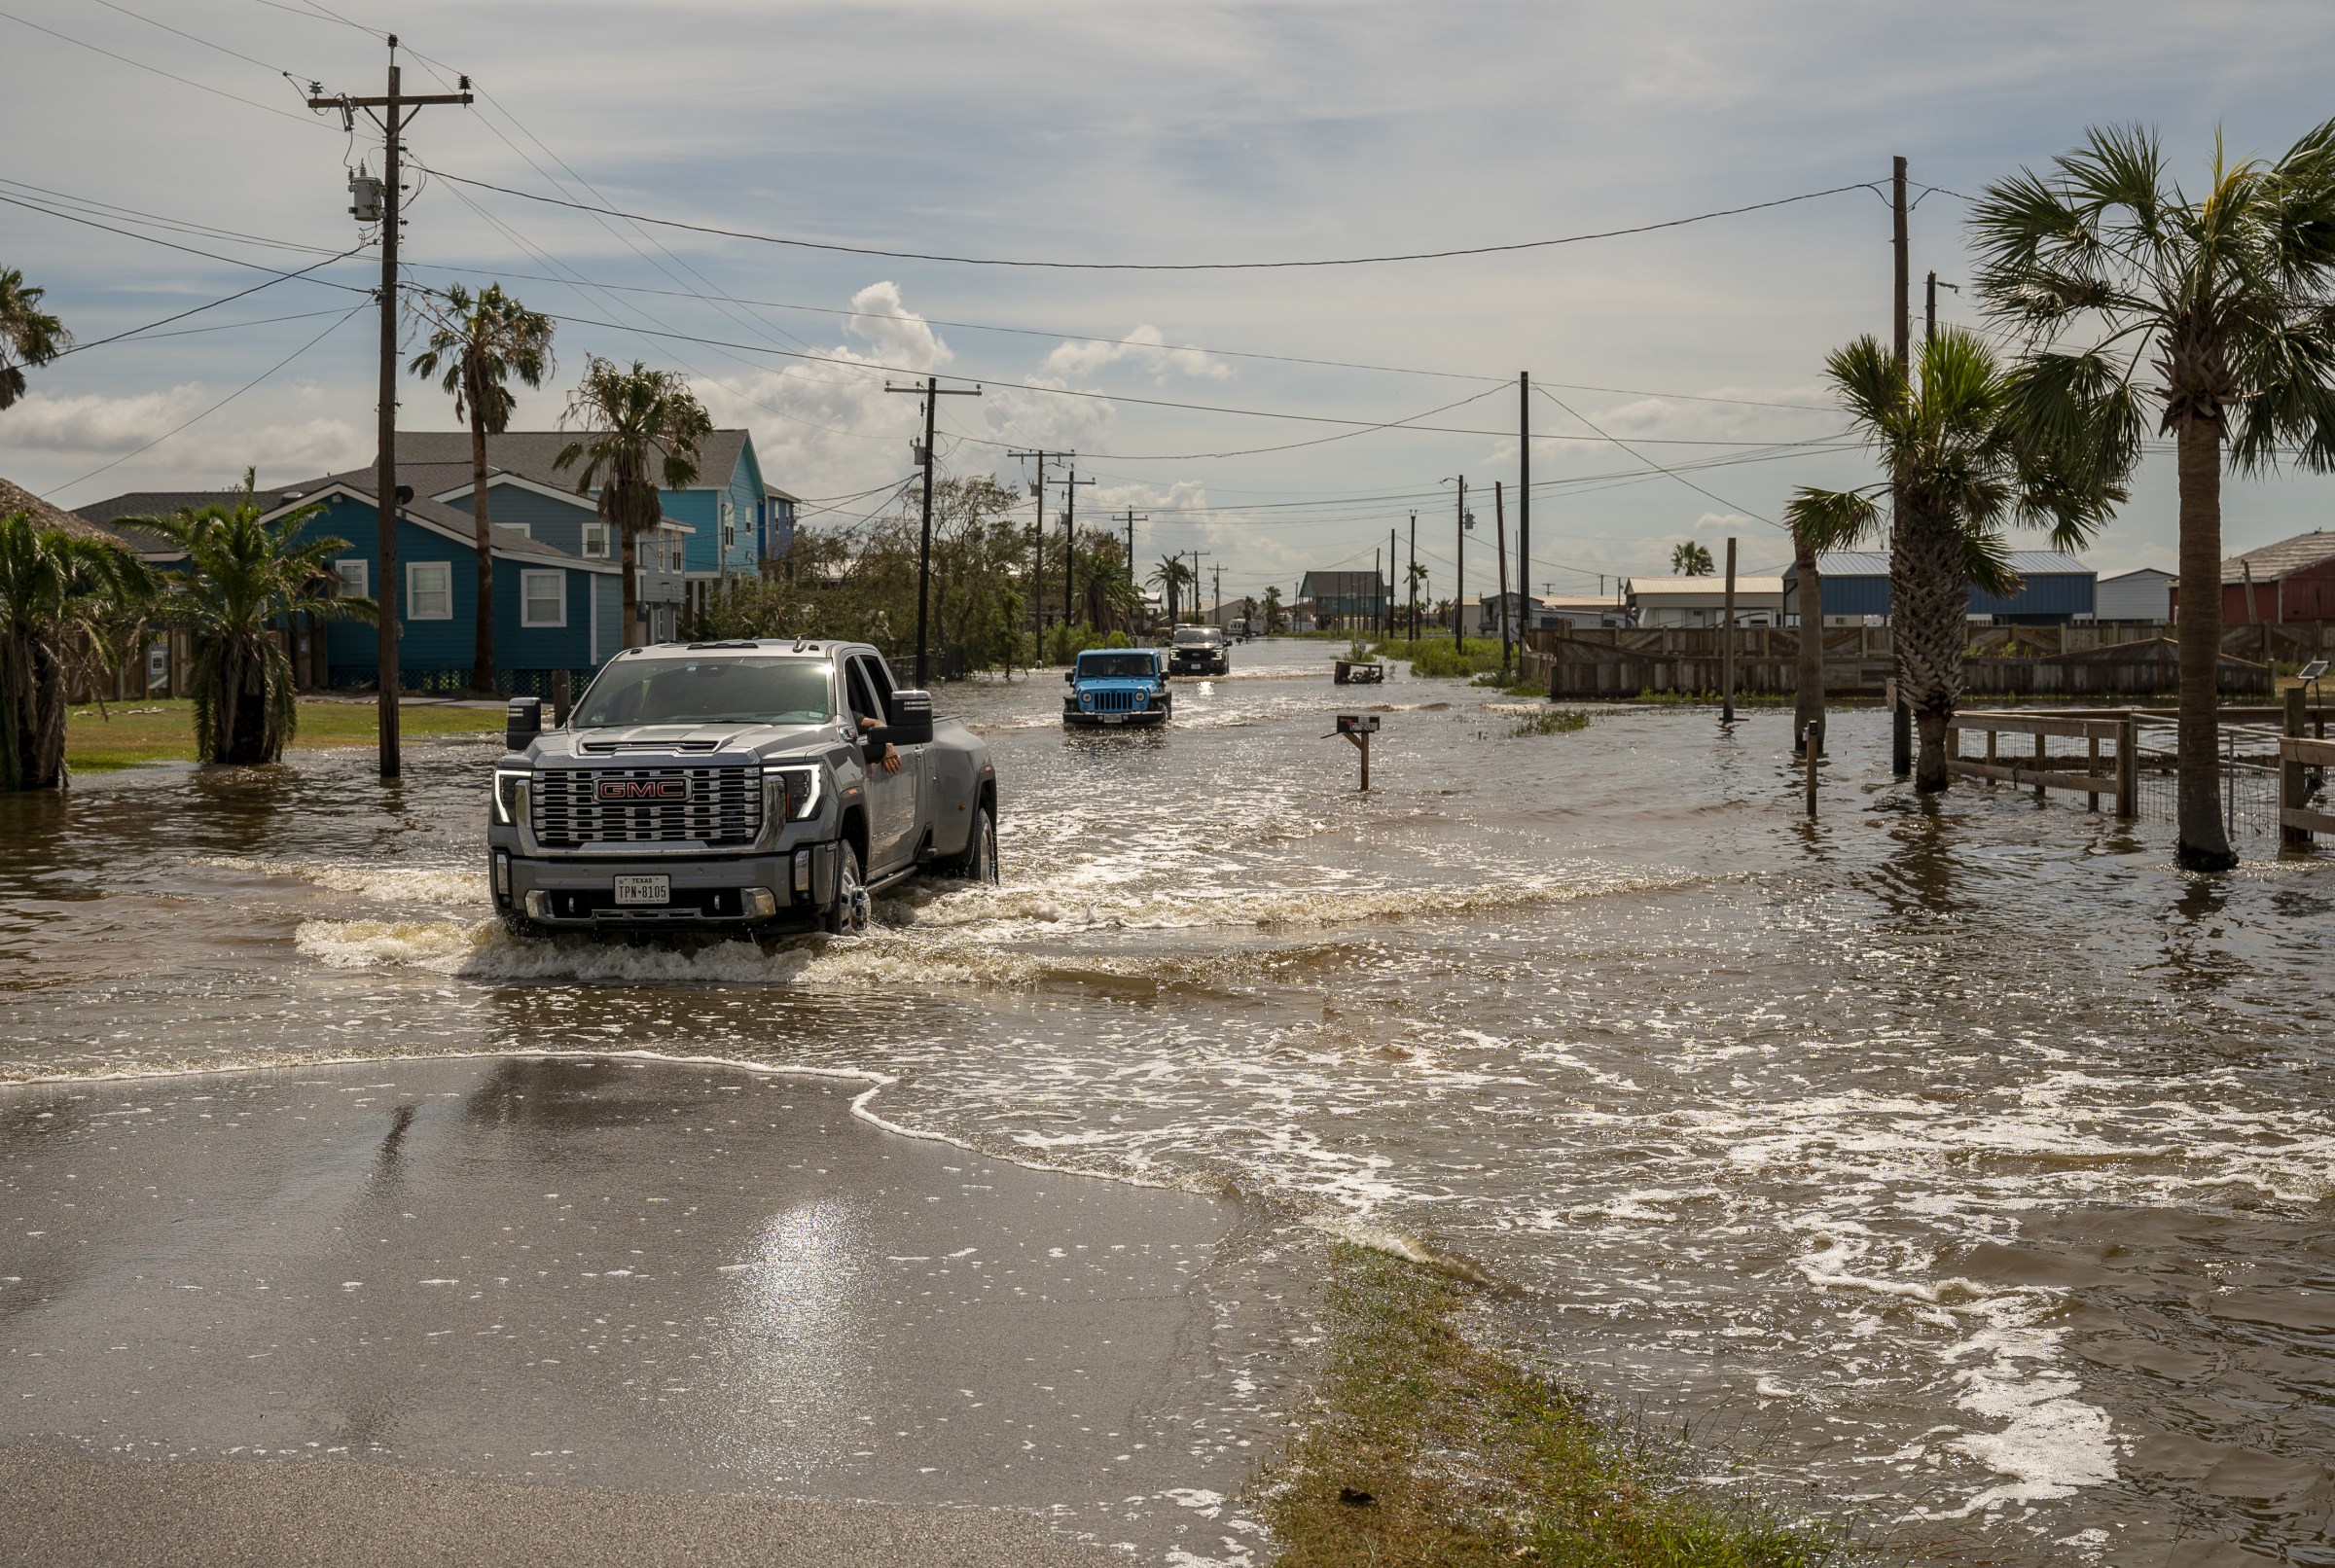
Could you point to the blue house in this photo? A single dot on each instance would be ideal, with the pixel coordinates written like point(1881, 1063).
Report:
point(718, 530)
point(2054, 589)
point(553, 609)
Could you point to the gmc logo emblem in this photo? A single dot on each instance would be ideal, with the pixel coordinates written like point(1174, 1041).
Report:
point(643, 789)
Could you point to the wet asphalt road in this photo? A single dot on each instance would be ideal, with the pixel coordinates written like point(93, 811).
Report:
point(416, 1283)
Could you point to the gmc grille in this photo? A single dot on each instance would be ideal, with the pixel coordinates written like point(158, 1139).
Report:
point(714, 806)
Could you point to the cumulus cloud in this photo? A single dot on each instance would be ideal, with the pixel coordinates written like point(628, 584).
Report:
point(1146, 347)
point(95, 422)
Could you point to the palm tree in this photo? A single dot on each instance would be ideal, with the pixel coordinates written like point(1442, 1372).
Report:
point(26, 333)
point(244, 578)
point(482, 342)
point(1169, 578)
point(1272, 608)
point(1691, 559)
point(55, 587)
point(1962, 461)
point(1418, 585)
point(1818, 523)
point(633, 419)
point(2221, 308)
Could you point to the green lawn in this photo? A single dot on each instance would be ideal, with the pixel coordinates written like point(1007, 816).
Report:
point(159, 730)
point(1425, 1450)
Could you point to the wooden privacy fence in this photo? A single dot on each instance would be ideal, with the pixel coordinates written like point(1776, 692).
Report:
point(2066, 662)
point(2039, 770)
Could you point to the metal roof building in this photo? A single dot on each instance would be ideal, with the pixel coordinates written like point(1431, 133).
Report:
point(2055, 589)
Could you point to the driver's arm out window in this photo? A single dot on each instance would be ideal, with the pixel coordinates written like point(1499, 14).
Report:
point(863, 700)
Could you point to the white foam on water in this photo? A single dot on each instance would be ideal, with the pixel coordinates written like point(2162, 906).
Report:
point(448, 886)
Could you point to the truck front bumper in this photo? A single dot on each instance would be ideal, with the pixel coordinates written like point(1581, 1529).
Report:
point(577, 894)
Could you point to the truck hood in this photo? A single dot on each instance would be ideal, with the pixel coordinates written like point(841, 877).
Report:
point(1115, 683)
point(621, 744)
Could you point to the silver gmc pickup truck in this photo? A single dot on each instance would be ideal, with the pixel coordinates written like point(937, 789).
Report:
point(734, 784)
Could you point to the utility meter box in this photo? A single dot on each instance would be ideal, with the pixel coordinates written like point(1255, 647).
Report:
point(1357, 723)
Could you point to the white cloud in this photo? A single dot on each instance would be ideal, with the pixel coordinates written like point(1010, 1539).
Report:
point(1145, 346)
point(95, 422)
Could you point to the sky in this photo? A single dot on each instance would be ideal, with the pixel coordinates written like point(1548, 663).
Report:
point(1677, 370)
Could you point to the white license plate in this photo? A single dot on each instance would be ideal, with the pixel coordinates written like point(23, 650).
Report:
point(644, 890)
point(1114, 718)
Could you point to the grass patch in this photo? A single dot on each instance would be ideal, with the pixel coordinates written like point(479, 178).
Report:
point(1514, 686)
point(1425, 1449)
point(1437, 658)
point(1551, 722)
point(163, 731)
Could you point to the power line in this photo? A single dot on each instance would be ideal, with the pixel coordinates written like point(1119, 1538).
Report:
point(1149, 267)
point(193, 38)
point(213, 305)
point(132, 234)
point(1650, 463)
point(186, 80)
point(214, 408)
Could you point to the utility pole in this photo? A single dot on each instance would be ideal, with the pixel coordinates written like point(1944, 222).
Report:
point(1929, 315)
point(1037, 540)
point(1727, 645)
point(1412, 577)
point(1459, 567)
point(1131, 520)
point(932, 394)
point(1374, 586)
point(1524, 498)
point(1901, 715)
point(397, 108)
point(1386, 603)
point(1069, 537)
point(1218, 615)
point(1499, 527)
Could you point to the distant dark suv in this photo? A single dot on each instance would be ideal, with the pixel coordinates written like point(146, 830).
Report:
point(1199, 651)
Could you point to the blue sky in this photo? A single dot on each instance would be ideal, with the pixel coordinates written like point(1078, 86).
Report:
point(1108, 133)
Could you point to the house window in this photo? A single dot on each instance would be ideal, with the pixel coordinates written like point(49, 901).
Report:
point(729, 526)
point(356, 578)
point(543, 598)
point(429, 591)
point(596, 540)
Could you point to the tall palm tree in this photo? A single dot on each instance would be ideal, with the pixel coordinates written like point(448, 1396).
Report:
point(243, 580)
point(1169, 578)
point(1691, 559)
point(481, 343)
point(27, 334)
point(1820, 522)
point(1961, 463)
point(2220, 308)
point(1272, 608)
point(55, 587)
point(633, 421)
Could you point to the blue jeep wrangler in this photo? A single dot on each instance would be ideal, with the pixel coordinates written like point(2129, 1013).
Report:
point(1117, 686)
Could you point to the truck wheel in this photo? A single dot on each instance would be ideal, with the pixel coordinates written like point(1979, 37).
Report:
point(979, 862)
point(519, 928)
point(849, 917)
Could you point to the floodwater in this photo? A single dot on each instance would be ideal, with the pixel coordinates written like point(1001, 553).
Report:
point(1961, 1173)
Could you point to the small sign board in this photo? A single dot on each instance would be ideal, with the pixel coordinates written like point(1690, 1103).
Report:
point(1357, 723)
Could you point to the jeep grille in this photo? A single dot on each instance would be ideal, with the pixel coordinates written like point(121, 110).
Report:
point(711, 805)
point(1121, 700)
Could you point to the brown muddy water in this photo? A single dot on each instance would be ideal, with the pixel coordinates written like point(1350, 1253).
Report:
point(1966, 1170)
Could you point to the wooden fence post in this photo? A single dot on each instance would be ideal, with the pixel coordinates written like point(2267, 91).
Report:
point(2290, 771)
point(2042, 756)
point(2092, 797)
point(562, 691)
point(2128, 767)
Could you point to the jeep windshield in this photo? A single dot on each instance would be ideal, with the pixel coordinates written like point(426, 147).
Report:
point(710, 690)
point(1196, 636)
point(1117, 666)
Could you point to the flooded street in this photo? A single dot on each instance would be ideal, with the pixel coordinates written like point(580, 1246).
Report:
point(1965, 1172)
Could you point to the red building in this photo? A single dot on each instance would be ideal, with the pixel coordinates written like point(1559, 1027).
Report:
point(2292, 580)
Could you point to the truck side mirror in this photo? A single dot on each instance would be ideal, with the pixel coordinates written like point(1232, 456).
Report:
point(522, 722)
point(908, 718)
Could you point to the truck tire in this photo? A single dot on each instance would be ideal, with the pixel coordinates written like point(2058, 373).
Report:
point(519, 928)
point(847, 916)
point(979, 862)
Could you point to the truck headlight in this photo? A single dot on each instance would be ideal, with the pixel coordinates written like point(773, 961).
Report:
point(792, 794)
point(508, 783)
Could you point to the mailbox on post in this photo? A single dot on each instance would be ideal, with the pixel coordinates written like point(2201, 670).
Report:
point(1358, 728)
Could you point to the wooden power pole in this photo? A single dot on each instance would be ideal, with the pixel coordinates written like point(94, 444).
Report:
point(1901, 323)
point(1500, 533)
point(1727, 644)
point(396, 108)
point(932, 392)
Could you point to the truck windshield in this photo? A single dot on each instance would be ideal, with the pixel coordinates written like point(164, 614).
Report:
point(1117, 666)
point(710, 690)
point(1189, 636)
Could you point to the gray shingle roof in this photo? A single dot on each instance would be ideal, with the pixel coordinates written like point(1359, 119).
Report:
point(107, 513)
point(2273, 561)
point(448, 520)
point(528, 453)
